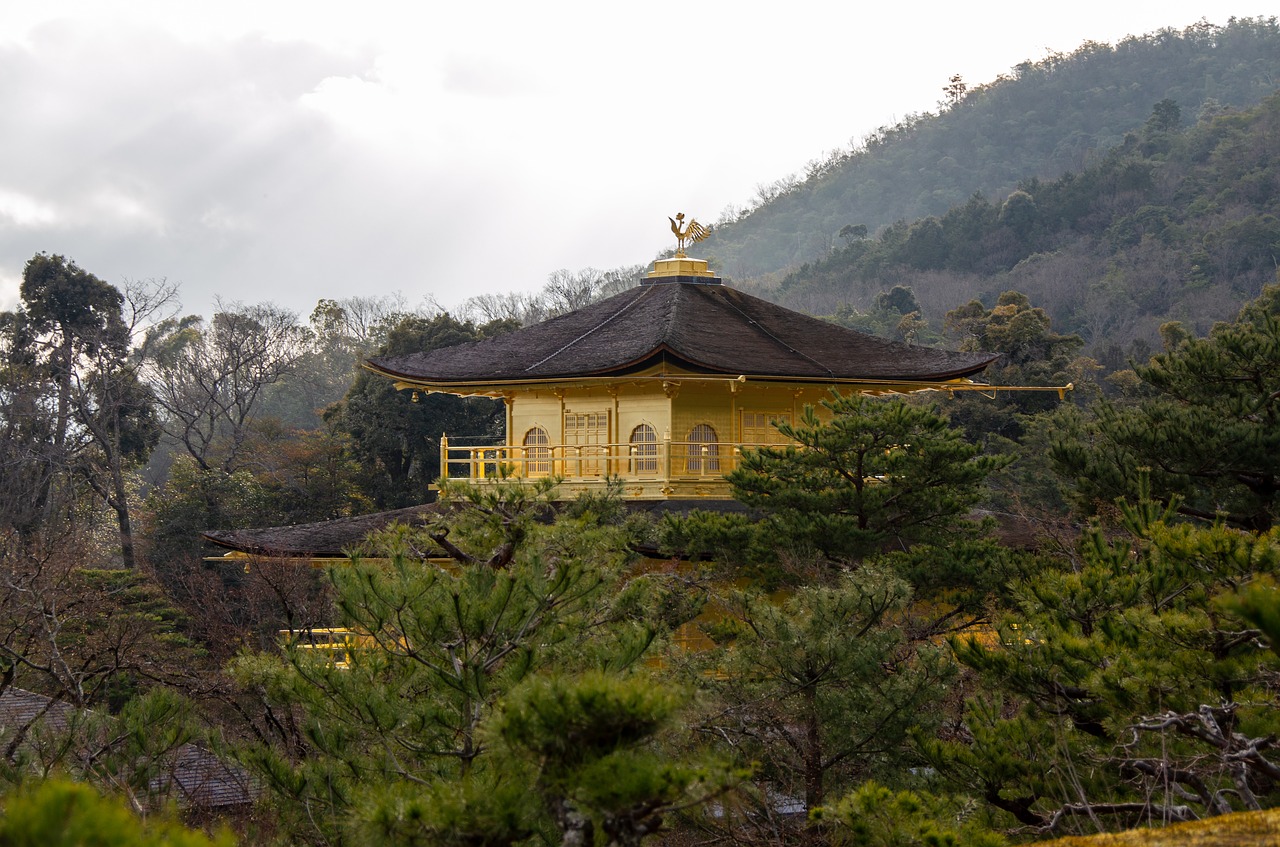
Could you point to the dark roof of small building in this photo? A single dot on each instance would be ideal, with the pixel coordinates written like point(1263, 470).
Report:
point(196, 777)
point(707, 328)
point(20, 709)
point(190, 774)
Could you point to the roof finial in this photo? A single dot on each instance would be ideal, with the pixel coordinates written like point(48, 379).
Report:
point(691, 233)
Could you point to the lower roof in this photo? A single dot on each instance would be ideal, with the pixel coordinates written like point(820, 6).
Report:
point(335, 539)
point(320, 540)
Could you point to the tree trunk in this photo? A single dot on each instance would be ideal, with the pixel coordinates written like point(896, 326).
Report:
point(64, 390)
point(813, 793)
point(120, 502)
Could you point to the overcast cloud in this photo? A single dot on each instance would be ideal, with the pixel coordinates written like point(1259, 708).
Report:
point(290, 151)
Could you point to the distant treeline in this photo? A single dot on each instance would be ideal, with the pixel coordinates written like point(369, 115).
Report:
point(1173, 223)
point(1046, 118)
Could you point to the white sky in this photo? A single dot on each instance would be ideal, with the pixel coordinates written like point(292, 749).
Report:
point(288, 151)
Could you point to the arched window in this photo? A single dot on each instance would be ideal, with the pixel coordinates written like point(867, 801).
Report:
point(644, 450)
point(537, 452)
point(704, 450)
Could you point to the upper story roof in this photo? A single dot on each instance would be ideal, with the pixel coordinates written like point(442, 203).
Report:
point(706, 328)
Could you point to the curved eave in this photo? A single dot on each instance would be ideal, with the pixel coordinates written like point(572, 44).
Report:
point(624, 368)
point(663, 355)
point(246, 551)
point(498, 390)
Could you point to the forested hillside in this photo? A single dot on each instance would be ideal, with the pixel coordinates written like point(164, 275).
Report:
point(1173, 224)
point(979, 620)
point(1044, 119)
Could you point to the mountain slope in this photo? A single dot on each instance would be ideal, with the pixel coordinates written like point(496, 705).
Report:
point(1045, 119)
point(1173, 224)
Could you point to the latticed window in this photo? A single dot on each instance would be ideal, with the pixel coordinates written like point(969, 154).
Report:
point(537, 452)
point(704, 450)
point(758, 428)
point(644, 449)
point(588, 433)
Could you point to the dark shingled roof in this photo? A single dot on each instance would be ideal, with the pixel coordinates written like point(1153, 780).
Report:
point(199, 778)
point(322, 540)
point(192, 775)
point(21, 709)
point(708, 328)
point(330, 539)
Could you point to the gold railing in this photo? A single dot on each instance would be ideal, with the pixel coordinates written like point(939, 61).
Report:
point(333, 643)
point(646, 461)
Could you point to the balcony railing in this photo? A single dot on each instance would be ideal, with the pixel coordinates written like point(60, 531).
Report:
point(334, 644)
point(654, 461)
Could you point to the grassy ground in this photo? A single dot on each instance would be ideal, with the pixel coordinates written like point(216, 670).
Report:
point(1246, 829)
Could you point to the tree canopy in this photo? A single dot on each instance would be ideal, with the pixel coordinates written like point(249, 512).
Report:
point(878, 470)
point(1206, 431)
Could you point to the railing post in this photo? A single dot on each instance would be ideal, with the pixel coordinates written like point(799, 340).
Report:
point(444, 456)
point(666, 447)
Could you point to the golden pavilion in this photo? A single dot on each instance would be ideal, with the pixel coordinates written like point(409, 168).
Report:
point(662, 387)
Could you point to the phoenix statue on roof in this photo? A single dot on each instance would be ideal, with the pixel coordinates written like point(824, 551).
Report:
point(687, 234)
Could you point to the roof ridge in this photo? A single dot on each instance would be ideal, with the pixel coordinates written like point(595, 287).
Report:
point(671, 315)
point(753, 322)
point(643, 291)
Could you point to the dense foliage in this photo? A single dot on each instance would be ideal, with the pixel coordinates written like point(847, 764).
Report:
point(1042, 120)
point(396, 434)
point(1136, 687)
point(448, 688)
point(1178, 222)
point(1205, 431)
point(861, 659)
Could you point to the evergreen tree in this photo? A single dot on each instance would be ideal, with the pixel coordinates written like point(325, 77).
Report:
point(821, 689)
point(1011, 422)
point(587, 744)
point(58, 813)
point(395, 434)
point(878, 470)
point(436, 649)
point(74, 408)
point(1207, 434)
point(874, 816)
point(1122, 687)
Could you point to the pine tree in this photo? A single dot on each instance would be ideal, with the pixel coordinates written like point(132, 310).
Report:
point(1208, 434)
point(1123, 686)
point(436, 648)
point(873, 470)
point(822, 688)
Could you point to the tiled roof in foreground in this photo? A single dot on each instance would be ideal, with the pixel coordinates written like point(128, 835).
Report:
point(193, 776)
point(709, 328)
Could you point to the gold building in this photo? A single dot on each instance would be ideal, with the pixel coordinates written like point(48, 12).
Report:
point(662, 385)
